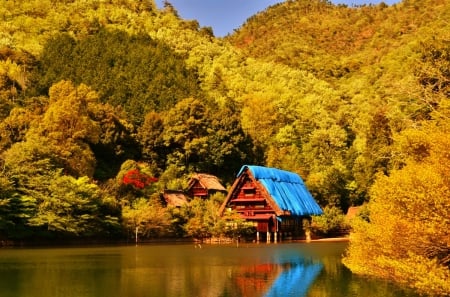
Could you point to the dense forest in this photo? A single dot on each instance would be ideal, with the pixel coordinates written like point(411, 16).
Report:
point(103, 104)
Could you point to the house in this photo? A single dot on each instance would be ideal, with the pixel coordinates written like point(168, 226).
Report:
point(200, 185)
point(204, 185)
point(173, 198)
point(352, 212)
point(276, 201)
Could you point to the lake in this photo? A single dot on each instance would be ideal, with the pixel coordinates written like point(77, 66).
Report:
point(250, 270)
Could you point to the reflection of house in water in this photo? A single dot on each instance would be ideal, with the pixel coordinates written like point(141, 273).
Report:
point(276, 201)
point(295, 279)
point(278, 279)
point(254, 280)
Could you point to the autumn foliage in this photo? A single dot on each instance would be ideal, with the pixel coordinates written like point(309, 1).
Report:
point(138, 179)
point(356, 99)
point(407, 237)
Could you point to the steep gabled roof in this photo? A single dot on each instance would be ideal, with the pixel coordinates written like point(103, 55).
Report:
point(174, 198)
point(287, 190)
point(207, 181)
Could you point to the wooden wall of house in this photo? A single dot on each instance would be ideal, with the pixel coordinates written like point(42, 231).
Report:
point(250, 200)
point(197, 190)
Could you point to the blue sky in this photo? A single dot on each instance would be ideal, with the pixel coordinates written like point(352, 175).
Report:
point(226, 15)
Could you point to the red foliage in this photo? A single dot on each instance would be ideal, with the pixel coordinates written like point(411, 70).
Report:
point(137, 179)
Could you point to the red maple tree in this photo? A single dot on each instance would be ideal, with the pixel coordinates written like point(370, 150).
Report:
point(138, 179)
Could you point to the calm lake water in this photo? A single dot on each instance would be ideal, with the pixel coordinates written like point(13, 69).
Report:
point(250, 270)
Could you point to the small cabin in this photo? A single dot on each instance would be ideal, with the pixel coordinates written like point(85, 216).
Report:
point(204, 185)
point(173, 198)
point(276, 201)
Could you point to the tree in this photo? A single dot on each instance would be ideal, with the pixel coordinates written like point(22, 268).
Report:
point(44, 200)
point(14, 127)
point(259, 119)
point(117, 140)
point(377, 153)
point(228, 145)
point(187, 127)
point(407, 234)
point(150, 135)
point(68, 129)
point(232, 225)
point(133, 71)
point(133, 180)
point(72, 207)
point(332, 222)
point(28, 167)
point(432, 72)
point(204, 220)
point(145, 218)
point(13, 210)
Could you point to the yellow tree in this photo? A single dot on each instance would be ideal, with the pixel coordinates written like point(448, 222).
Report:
point(68, 129)
point(407, 238)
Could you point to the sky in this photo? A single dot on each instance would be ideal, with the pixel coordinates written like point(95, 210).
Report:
point(223, 16)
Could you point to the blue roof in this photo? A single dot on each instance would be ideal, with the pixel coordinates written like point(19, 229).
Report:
point(287, 190)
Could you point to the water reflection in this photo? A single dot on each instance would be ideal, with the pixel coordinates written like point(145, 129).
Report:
point(57, 272)
point(290, 277)
point(253, 270)
point(295, 279)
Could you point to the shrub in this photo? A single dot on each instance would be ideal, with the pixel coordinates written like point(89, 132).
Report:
point(332, 222)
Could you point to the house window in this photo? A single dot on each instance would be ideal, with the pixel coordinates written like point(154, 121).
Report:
point(249, 192)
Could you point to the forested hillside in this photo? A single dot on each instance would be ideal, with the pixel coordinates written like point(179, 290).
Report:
point(103, 104)
point(390, 67)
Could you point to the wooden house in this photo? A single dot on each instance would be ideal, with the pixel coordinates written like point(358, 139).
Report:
point(204, 185)
point(173, 198)
point(276, 201)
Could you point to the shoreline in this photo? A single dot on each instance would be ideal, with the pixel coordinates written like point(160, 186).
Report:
point(75, 243)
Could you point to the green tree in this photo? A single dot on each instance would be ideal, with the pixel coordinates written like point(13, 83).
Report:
point(265, 127)
point(377, 153)
point(203, 219)
point(28, 167)
point(133, 71)
point(228, 145)
point(49, 203)
point(145, 218)
point(150, 135)
point(187, 127)
point(12, 211)
point(117, 142)
point(72, 207)
point(332, 222)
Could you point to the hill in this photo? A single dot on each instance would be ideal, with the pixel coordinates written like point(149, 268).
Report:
point(94, 91)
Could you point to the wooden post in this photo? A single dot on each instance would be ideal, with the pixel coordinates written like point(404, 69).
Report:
point(137, 228)
point(257, 236)
point(275, 234)
point(268, 236)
